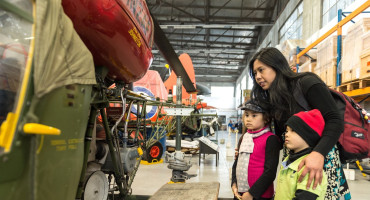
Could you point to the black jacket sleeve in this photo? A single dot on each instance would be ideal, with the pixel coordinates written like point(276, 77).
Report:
point(318, 96)
point(233, 172)
point(304, 195)
point(271, 163)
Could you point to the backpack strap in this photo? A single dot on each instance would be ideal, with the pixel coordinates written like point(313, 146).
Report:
point(299, 96)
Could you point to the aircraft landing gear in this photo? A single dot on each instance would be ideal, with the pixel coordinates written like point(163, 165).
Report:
point(178, 165)
point(154, 152)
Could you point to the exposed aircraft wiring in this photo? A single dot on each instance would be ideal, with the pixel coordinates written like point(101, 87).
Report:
point(123, 111)
point(125, 134)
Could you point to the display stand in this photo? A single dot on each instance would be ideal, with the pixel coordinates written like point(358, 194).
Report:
point(206, 148)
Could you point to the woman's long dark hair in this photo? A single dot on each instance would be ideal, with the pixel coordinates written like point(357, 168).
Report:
point(278, 99)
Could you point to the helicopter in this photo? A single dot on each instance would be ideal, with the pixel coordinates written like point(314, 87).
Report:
point(58, 60)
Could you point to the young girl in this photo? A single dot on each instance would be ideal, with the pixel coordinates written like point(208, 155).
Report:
point(254, 168)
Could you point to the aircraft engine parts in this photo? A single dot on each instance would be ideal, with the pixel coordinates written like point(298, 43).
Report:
point(96, 187)
point(179, 165)
point(129, 157)
point(128, 160)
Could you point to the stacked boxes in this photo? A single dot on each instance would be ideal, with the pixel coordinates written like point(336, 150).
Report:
point(327, 60)
point(365, 56)
point(308, 66)
point(365, 64)
point(352, 48)
point(289, 50)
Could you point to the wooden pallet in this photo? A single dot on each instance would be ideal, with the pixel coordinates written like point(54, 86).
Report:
point(359, 84)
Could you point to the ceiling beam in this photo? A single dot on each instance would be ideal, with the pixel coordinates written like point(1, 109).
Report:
point(216, 58)
point(213, 42)
point(211, 50)
point(200, 59)
point(213, 7)
point(272, 10)
point(208, 32)
point(183, 11)
point(217, 75)
point(193, 46)
point(193, 25)
point(216, 79)
point(210, 66)
point(213, 35)
point(215, 71)
point(215, 19)
point(197, 62)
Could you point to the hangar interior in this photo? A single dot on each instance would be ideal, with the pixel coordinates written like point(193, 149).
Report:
point(144, 99)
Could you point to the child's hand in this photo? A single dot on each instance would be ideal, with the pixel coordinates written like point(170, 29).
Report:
point(247, 196)
point(235, 191)
point(236, 153)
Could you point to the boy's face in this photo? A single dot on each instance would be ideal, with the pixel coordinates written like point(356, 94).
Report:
point(293, 141)
point(253, 120)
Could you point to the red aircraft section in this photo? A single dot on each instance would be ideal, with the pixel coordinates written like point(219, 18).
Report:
point(118, 33)
point(171, 81)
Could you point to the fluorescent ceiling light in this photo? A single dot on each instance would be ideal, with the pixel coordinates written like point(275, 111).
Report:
point(211, 51)
point(226, 67)
point(194, 26)
point(216, 76)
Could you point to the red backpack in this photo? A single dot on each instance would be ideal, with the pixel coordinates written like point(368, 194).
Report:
point(354, 142)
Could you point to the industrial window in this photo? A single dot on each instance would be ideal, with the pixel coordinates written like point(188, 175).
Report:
point(244, 83)
point(250, 83)
point(292, 28)
point(330, 9)
point(222, 91)
point(238, 95)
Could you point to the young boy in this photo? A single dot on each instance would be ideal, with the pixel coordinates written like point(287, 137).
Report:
point(303, 131)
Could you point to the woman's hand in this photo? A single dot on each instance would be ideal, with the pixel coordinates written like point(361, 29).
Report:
point(314, 164)
point(247, 196)
point(235, 191)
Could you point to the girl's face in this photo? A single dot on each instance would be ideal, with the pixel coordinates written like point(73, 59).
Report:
point(263, 74)
point(293, 141)
point(253, 120)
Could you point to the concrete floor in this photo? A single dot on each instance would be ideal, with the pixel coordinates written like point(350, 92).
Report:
point(150, 178)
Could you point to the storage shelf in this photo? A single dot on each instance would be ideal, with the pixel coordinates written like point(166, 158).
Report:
point(358, 94)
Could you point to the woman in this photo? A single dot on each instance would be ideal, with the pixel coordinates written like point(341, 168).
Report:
point(274, 84)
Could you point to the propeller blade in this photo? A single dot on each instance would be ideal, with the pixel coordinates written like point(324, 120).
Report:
point(171, 57)
point(163, 73)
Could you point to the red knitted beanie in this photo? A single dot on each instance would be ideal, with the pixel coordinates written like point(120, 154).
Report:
point(308, 124)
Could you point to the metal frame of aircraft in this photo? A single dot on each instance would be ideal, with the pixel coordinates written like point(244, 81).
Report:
point(50, 144)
